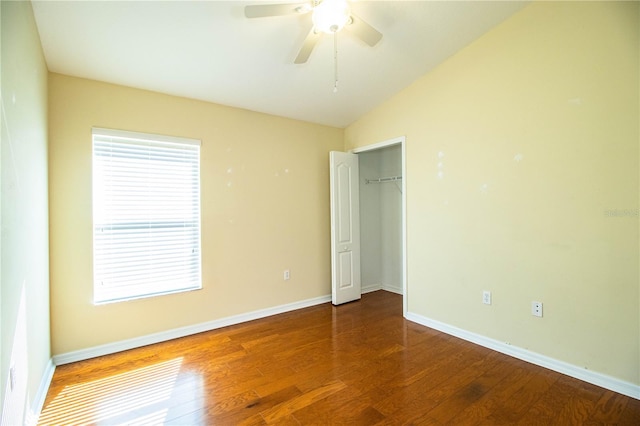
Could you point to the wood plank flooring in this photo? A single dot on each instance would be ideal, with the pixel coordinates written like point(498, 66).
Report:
point(359, 363)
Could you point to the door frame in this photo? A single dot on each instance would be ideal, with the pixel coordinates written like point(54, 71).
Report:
point(400, 140)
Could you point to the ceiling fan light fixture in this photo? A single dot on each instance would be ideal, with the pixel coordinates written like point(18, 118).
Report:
point(331, 16)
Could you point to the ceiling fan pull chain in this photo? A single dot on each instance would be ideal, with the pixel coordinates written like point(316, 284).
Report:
point(335, 62)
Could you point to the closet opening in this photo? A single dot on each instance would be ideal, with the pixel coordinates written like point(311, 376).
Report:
point(382, 187)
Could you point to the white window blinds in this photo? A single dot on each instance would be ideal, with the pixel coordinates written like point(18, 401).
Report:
point(146, 215)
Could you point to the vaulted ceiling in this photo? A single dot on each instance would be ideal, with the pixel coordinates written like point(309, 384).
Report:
point(209, 50)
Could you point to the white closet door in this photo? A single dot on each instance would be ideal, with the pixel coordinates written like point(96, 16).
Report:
point(345, 227)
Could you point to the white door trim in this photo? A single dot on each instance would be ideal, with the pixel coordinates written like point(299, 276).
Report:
point(395, 141)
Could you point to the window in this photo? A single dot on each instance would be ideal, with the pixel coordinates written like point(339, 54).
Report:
point(146, 215)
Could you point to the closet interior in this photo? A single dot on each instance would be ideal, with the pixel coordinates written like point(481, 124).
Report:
point(381, 219)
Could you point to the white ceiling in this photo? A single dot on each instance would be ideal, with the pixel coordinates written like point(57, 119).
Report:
point(208, 50)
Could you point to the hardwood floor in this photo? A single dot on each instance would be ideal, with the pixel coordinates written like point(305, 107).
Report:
point(359, 363)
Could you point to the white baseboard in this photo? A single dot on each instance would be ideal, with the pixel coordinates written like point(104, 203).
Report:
point(41, 395)
point(598, 379)
point(370, 288)
point(175, 333)
point(392, 288)
point(375, 287)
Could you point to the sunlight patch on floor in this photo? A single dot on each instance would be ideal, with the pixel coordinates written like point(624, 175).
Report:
point(100, 400)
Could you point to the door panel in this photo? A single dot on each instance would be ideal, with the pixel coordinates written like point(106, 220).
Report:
point(344, 203)
point(346, 275)
point(345, 227)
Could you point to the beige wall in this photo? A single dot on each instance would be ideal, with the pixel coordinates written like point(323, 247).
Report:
point(538, 122)
point(264, 189)
point(24, 286)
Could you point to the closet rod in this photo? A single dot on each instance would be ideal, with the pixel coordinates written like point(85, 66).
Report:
point(383, 179)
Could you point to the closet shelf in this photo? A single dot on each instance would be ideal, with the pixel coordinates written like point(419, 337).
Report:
point(383, 179)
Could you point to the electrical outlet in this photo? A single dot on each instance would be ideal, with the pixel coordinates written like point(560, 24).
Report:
point(536, 309)
point(486, 297)
point(287, 275)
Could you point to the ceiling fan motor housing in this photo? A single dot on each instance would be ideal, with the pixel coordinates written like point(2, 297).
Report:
point(331, 16)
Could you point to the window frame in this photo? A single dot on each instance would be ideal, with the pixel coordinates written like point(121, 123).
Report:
point(155, 141)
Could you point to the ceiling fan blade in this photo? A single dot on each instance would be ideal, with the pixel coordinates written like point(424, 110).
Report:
point(265, 10)
point(307, 46)
point(363, 31)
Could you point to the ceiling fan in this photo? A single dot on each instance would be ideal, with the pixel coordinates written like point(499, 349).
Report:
point(327, 16)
